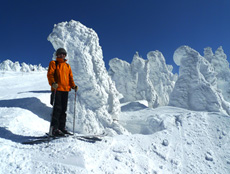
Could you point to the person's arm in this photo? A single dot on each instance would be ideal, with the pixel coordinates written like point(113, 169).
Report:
point(50, 73)
point(71, 81)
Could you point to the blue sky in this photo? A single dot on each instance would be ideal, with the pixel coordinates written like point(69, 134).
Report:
point(123, 26)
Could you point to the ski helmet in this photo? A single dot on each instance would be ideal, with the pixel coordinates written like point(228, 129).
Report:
point(61, 51)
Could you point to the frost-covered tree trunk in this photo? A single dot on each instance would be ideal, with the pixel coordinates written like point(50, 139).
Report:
point(97, 98)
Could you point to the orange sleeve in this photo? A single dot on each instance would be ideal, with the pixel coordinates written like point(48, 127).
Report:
point(50, 73)
point(71, 81)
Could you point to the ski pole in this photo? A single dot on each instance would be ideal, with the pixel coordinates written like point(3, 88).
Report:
point(51, 127)
point(74, 115)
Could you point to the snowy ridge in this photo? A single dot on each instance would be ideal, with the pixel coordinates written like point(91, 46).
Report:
point(150, 79)
point(98, 99)
point(8, 65)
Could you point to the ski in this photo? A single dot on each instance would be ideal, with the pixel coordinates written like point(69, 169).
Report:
point(88, 137)
point(47, 138)
point(41, 140)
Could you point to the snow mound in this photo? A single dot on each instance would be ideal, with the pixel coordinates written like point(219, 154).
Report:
point(196, 88)
point(8, 65)
point(150, 79)
point(97, 98)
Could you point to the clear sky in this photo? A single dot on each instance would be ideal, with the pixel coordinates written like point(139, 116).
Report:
point(123, 26)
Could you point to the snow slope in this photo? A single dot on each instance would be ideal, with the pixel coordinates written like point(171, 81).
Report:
point(165, 140)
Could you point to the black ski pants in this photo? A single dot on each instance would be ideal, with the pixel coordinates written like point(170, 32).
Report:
point(59, 113)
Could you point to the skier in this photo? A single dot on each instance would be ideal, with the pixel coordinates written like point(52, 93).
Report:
point(60, 78)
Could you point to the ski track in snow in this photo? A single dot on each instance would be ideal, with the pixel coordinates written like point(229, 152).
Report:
point(165, 140)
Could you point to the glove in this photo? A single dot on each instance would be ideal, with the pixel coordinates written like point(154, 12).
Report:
point(55, 85)
point(75, 88)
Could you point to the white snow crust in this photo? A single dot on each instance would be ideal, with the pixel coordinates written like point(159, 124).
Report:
point(150, 79)
point(97, 99)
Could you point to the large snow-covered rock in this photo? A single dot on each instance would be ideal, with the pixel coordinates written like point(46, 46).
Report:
point(196, 87)
point(97, 98)
point(150, 79)
point(221, 67)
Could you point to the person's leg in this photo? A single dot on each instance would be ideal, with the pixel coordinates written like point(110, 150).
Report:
point(64, 103)
point(57, 110)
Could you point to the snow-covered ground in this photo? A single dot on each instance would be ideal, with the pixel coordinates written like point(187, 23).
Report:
point(165, 140)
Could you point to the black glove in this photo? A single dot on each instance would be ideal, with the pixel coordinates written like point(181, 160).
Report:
point(55, 85)
point(75, 88)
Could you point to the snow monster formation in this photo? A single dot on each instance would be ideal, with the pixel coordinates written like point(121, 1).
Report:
point(97, 98)
point(150, 79)
point(221, 67)
point(196, 88)
point(8, 65)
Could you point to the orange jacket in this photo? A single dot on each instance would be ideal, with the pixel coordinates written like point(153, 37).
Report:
point(62, 74)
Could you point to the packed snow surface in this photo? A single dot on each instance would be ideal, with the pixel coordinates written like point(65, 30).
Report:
point(165, 140)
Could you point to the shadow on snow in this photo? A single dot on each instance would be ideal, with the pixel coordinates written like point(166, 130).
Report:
point(6, 134)
point(44, 91)
point(133, 106)
point(32, 104)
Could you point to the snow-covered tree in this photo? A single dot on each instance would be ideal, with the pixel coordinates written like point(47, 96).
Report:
point(196, 87)
point(150, 79)
point(8, 65)
point(221, 67)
